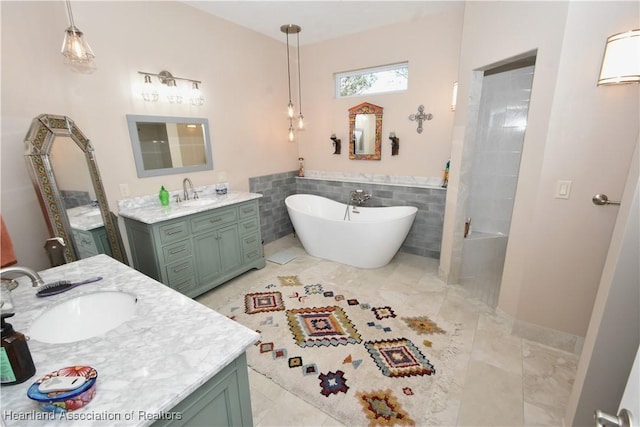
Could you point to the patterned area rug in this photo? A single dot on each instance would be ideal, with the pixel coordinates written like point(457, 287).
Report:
point(349, 353)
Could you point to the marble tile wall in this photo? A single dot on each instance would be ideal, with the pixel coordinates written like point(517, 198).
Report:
point(424, 193)
point(495, 164)
point(500, 134)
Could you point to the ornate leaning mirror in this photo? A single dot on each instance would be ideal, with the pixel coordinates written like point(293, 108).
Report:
point(365, 132)
point(65, 175)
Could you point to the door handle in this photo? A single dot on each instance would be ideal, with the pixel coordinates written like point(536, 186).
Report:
point(623, 419)
point(602, 199)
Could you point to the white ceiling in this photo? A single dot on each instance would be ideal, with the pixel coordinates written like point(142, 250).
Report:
point(320, 20)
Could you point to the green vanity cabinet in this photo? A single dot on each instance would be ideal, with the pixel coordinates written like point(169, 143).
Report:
point(91, 242)
point(224, 400)
point(195, 253)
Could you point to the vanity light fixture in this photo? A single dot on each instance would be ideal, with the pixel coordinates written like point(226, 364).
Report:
point(293, 29)
point(75, 48)
point(174, 93)
point(454, 96)
point(621, 60)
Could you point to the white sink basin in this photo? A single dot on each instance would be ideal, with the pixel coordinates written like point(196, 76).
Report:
point(83, 317)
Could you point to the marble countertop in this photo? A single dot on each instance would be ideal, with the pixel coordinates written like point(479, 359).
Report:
point(85, 217)
point(148, 209)
point(145, 366)
point(365, 178)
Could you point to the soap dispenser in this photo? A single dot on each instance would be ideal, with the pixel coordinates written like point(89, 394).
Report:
point(164, 196)
point(16, 364)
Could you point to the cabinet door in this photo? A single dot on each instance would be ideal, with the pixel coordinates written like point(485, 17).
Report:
point(207, 253)
point(224, 400)
point(102, 241)
point(230, 253)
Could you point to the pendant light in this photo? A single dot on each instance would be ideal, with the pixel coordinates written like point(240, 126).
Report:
point(293, 29)
point(300, 116)
point(75, 48)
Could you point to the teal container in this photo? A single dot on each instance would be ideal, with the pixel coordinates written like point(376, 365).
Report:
point(164, 196)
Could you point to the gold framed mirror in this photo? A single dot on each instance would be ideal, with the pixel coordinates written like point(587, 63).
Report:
point(56, 140)
point(365, 132)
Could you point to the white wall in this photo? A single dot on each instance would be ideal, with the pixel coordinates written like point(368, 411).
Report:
point(576, 131)
point(244, 84)
point(431, 45)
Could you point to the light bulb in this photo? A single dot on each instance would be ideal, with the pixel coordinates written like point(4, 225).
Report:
point(300, 121)
point(174, 96)
point(291, 134)
point(149, 93)
point(196, 95)
point(75, 48)
point(290, 109)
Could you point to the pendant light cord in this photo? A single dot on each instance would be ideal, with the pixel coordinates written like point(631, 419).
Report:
point(288, 68)
point(71, 23)
point(299, 89)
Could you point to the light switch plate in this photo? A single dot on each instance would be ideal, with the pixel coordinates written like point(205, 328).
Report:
point(563, 189)
point(124, 190)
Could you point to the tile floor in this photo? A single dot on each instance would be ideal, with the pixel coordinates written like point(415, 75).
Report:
point(504, 380)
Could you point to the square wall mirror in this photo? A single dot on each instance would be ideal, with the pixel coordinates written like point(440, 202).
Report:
point(169, 145)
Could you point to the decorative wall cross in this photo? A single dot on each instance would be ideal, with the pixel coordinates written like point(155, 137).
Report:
point(420, 117)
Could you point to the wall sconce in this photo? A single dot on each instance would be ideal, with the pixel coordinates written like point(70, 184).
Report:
point(293, 29)
point(621, 60)
point(174, 93)
point(75, 48)
point(336, 144)
point(395, 143)
point(454, 96)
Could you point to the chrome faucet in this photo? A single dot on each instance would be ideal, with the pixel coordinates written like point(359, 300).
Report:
point(356, 198)
point(185, 191)
point(36, 280)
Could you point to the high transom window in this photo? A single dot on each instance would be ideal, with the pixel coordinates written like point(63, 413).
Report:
point(387, 78)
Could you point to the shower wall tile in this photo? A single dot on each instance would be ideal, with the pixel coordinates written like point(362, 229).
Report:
point(274, 219)
point(503, 117)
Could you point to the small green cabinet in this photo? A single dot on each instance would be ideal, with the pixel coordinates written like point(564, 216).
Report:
point(223, 401)
point(91, 242)
point(195, 253)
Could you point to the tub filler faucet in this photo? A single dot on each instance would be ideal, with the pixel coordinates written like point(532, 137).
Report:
point(356, 198)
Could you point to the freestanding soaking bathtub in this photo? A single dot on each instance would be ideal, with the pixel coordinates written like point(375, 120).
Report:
point(366, 238)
